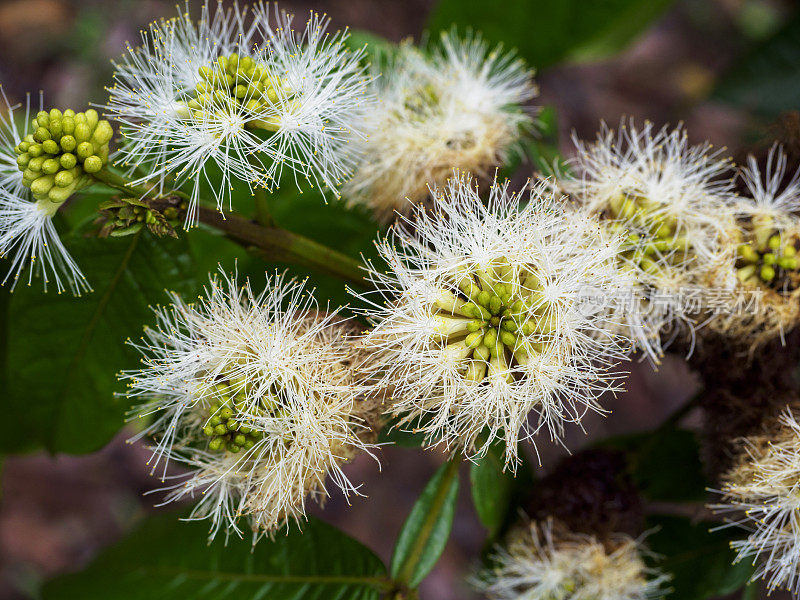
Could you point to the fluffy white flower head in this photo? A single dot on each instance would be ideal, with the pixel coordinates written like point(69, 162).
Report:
point(28, 237)
point(763, 491)
point(256, 395)
point(670, 200)
point(485, 320)
point(542, 561)
point(244, 90)
point(459, 107)
point(763, 253)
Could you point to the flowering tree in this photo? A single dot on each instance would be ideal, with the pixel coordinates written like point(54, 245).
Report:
point(484, 317)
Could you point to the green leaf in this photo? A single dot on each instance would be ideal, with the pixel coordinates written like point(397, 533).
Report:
point(425, 532)
point(168, 559)
point(665, 465)
point(64, 352)
point(700, 561)
point(766, 80)
point(546, 32)
point(492, 488)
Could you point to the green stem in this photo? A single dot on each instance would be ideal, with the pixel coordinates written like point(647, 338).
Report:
point(273, 243)
point(118, 182)
point(406, 571)
point(282, 245)
point(263, 212)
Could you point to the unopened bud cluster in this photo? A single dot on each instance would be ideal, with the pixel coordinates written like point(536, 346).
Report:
point(62, 152)
point(497, 318)
point(653, 236)
point(227, 422)
point(767, 257)
point(239, 84)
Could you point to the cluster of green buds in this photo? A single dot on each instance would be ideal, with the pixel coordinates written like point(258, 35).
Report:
point(239, 84)
point(63, 152)
point(120, 217)
point(497, 318)
point(226, 426)
point(419, 100)
point(652, 237)
point(768, 257)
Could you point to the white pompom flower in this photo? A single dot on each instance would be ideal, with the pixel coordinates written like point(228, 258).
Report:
point(459, 106)
point(544, 561)
point(28, 237)
point(762, 492)
point(244, 92)
point(763, 249)
point(670, 199)
point(493, 312)
point(257, 396)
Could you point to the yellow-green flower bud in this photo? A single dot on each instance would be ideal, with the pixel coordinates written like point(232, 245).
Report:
point(84, 150)
point(788, 262)
point(68, 160)
point(51, 166)
point(64, 146)
point(41, 134)
point(50, 146)
point(64, 178)
point(93, 164)
point(42, 184)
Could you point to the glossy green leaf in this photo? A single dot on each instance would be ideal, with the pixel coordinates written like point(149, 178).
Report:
point(427, 528)
point(169, 559)
point(766, 80)
point(700, 561)
point(492, 488)
point(546, 32)
point(64, 352)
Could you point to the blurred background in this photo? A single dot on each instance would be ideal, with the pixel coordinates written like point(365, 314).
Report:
point(728, 69)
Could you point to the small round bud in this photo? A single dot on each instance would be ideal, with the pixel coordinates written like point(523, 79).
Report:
point(41, 134)
point(68, 143)
point(51, 166)
point(92, 118)
point(50, 147)
point(103, 133)
point(84, 150)
point(68, 160)
point(60, 195)
point(36, 163)
point(43, 184)
point(92, 164)
point(68, 123)
point(767, 273)
point(35, 150)
point(788, 262)
point(64, 178)
point(82, 133)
